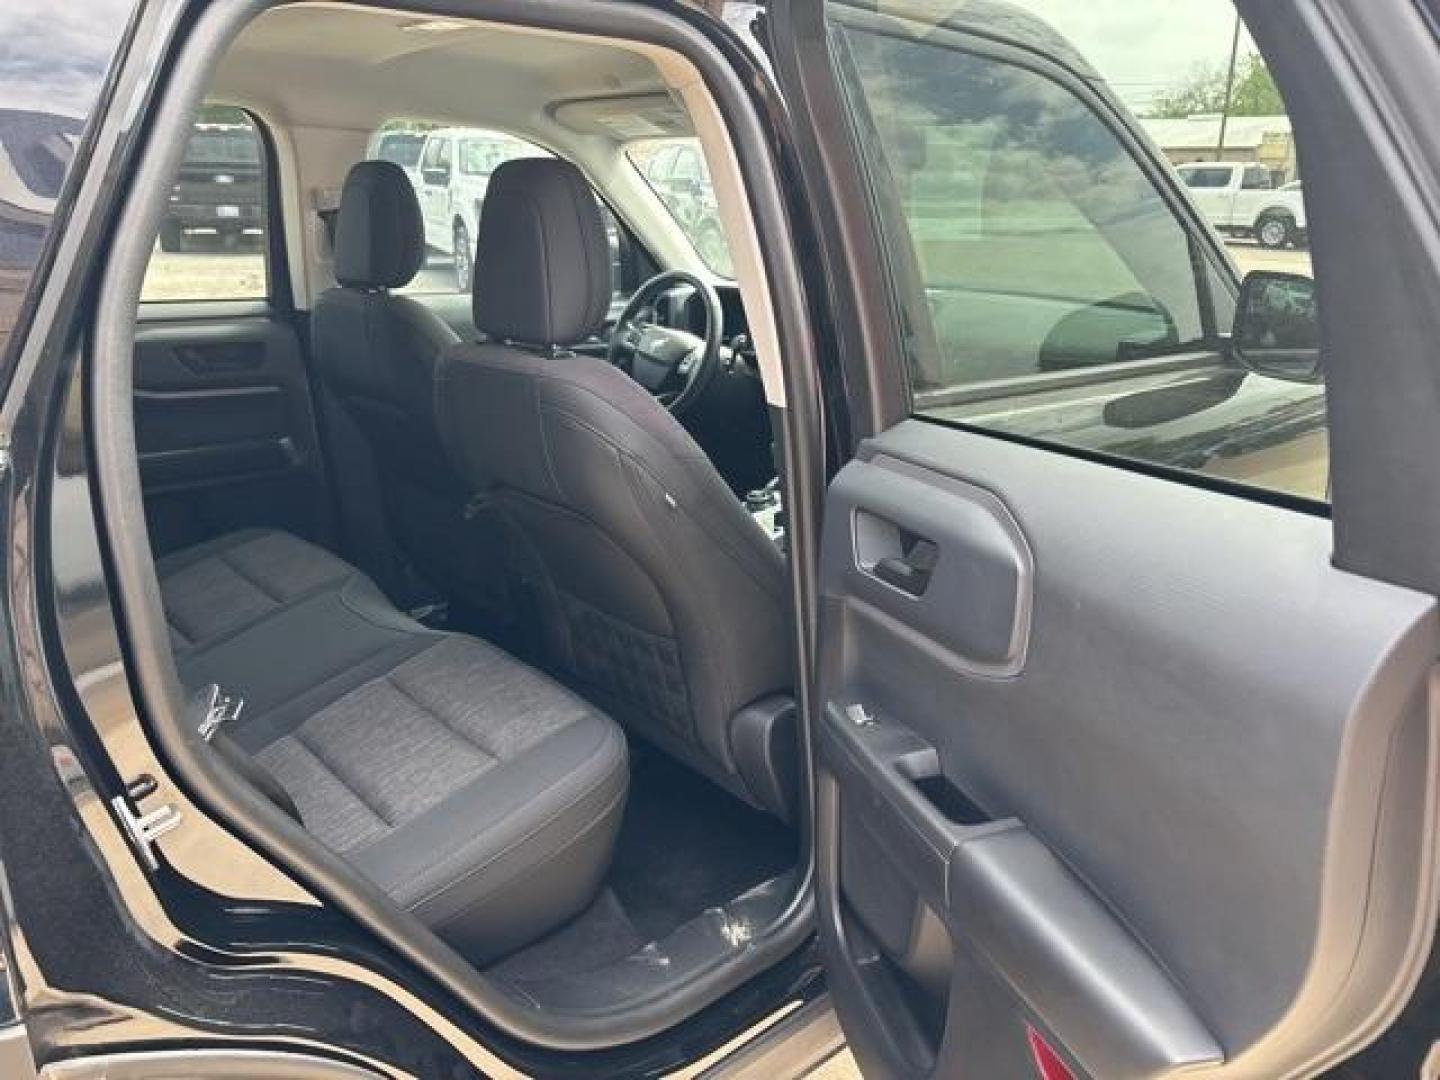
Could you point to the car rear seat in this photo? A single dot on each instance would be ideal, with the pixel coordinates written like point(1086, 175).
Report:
point(474, 790)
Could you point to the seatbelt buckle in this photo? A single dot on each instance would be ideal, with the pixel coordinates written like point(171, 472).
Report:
point(215, 708)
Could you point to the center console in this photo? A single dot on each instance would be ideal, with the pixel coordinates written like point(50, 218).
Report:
point(768, 509)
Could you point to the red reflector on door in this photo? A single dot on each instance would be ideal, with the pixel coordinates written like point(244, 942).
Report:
point(1047, 1063)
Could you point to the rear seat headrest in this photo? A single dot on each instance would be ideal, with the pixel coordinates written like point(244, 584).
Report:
point(379, 232)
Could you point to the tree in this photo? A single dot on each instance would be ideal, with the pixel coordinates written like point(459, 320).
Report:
point(1255, 93)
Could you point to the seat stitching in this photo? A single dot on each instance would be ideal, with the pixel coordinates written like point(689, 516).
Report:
point(249, 578)
point(637, 494)
point(456, 856)
point(409, 696)
point(177, 561)
point(235, 631)
point(723, 542)
point(343, 594)
point(355, 792)
point(590, 275)
point(316, 689)
point(540, 409)
point(546, 292)
point(590, 826)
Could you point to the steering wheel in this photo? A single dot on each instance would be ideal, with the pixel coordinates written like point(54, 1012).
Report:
point(674, 365)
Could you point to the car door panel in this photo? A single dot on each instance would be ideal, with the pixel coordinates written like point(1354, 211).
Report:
point(1077, 828)
point(226, 429)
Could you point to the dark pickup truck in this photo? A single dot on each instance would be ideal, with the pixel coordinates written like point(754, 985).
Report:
point(218, 193)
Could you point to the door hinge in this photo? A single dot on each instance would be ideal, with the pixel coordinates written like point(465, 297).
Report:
point(144, 829)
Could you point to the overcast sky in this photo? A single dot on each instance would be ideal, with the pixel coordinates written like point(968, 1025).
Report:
point(1143, 47)
point(51, 59)
point(53, 55)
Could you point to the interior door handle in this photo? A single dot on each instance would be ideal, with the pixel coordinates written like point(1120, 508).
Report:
point(911, 572)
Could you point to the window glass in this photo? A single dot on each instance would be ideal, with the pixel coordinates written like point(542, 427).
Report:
point(211, 244)
point(1051, 281)
point(688, 167)
point(1042, 244)
point(676, 171)
point(400, 147)
point(450, 171)
point(1206, 178)
point(430, 159)
point(481, 156)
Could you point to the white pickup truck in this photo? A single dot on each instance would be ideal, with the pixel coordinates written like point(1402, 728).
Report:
point(1242, 200)
point(452, 171)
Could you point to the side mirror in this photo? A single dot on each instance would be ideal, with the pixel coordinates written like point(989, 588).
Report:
point(1276, 331)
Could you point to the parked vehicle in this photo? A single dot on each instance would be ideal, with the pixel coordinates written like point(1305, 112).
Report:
point(1242, 200)
point(678, 174)
point(401, 146)
point(981, 628)
point(218, 192)
point(451, 177)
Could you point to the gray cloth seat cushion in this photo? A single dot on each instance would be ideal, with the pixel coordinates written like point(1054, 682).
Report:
point(218, 588)
point(477, 792)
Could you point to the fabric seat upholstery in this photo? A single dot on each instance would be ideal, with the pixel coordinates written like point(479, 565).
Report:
point(474, 790)
point(218, 588)
point(657, 593)
point(376, 353)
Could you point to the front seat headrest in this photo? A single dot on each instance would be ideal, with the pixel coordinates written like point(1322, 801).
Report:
point(542, 268)
point(379, 233)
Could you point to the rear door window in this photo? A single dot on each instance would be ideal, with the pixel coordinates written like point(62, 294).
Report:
point(213, 239)
point(1206, 178)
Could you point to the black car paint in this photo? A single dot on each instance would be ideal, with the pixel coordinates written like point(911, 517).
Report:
point(228, 981)
point(236, 974)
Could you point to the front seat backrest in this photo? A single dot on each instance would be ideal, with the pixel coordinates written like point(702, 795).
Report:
point(657, 594)
point(377, 354)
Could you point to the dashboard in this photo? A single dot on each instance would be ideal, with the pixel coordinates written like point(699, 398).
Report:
point(681, 309)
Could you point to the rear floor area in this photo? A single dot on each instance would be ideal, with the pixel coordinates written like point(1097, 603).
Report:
point(685, 846)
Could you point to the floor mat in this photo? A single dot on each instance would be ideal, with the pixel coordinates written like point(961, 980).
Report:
point(685, 846)
point(599, 935)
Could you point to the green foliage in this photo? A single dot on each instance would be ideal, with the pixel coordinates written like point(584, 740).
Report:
point(1255, 93)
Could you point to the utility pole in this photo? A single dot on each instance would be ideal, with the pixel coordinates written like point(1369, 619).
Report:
point(1229, 90)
